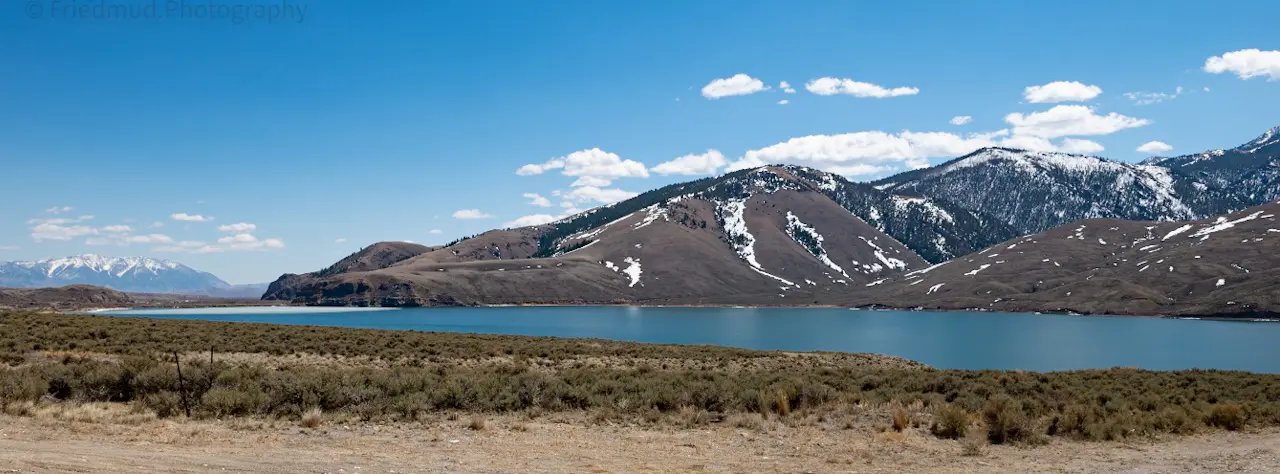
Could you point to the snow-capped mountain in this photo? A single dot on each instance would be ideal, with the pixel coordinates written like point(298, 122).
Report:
point(1034, 191)
point(131, 274)
point(1252, 169)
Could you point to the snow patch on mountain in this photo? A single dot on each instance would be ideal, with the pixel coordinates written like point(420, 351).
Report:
point(809, 237)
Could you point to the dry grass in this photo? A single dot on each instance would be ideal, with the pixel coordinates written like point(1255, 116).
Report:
point(901, 419)
point(312, 418)
point(476, 424)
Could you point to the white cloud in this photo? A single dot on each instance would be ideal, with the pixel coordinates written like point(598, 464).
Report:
point(786, 87)
point(1060, 91)
point(238, 227)
point(594, 194)
point(122, 239)
point(117, 229)
point(784, 102)
point(739, 84)
point(833, 86)
point(182, 216)
point(591, 181)
point(246, 241)
point(692, 165)
point(470, 214)
point(435, 231)
point(1206, 89)
point(59, 220)
point(1155, 147)
point(58, 229)
point(59, 209)
point(43, 232)
point(1080, 146)
point(961, 120)
point(1070, 120)
point(156, 225)
point(861, 153)
point(537, 200)
point(592, 167)
point(9, 247)
point(532, 219)
point(1246, 64)
point(532, 169)
point(1148, 98)
point(339, 240)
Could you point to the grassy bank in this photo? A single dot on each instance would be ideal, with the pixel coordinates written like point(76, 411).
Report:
point(289, 371)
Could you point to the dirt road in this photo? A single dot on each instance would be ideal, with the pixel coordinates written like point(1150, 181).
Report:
point(513, 444)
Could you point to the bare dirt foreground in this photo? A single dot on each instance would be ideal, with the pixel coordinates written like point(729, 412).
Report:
point(559, 444)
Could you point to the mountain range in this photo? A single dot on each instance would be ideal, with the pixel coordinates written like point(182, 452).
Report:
point(128, 274)
point(790, 235)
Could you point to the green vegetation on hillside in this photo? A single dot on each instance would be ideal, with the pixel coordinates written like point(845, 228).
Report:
point(390, 375)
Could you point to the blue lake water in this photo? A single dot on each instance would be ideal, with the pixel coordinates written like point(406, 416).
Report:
point(944, 340)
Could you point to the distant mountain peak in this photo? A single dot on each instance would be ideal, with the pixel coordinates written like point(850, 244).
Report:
point(1269, 137)
point(136, 274)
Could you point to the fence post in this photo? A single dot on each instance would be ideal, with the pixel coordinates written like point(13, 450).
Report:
point(182, 388)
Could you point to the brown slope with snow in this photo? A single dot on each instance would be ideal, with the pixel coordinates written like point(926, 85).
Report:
point(1228, 266)
point(762, 238)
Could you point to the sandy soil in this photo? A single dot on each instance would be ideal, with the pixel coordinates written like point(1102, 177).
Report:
point(563, 443)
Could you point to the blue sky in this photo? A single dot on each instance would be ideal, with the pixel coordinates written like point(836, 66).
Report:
point(352, 123)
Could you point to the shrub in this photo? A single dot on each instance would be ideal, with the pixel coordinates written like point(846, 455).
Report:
point(950, 422)
point(476, 423)
point(1005, 420)
point(312, 418)
point(901, 419)
point(1230, 416)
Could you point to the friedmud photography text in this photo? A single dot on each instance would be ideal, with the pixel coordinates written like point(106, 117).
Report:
point(279, 11)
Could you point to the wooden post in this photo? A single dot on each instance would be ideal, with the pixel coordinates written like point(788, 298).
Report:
point(186, 407)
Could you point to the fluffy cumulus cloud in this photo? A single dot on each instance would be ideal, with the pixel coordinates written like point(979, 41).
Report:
point(784, 102)
point(1246, 64)
point(182, 216)
point(1070, 120)
point(122, 239)
point(1080, 146)
point(592, 167)
point(59, 209)
point(238, 227)
point(60, 228)
point(863, 153)
point(533, 219)
point(1148, 98)
point(834, 86)
point(693, 164)
point(591, 181)
point(1060, 91)
point(592, 194)
point(232, 243)
point(470, 214)
point(532, 169)
point(738, 84)
point(786, 87)
point(1155, 147)
point(961, 120)
point(536, 199)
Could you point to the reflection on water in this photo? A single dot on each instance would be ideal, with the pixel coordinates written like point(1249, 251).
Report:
point(944, 340)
